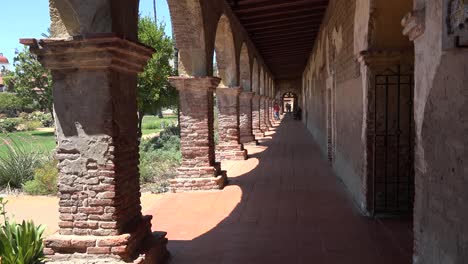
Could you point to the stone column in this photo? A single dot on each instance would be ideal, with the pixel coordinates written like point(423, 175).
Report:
point(245, 118)
point(229, 146)
point(95, 80)
point(198, 170)
point(263, 114)
point(258, 133)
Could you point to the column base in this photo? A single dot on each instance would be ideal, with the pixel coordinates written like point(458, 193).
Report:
point(258, 134)
point(199, 179)
point(269, 124)
point(248, 140)
point(230, 152)
point(142, 246)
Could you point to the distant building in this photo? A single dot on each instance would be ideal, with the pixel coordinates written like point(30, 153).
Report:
point(4, 65)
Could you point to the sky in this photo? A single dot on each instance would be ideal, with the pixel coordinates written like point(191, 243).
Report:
point(30, 18)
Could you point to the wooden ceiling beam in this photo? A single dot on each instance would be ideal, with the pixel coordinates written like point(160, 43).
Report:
point(275, 5)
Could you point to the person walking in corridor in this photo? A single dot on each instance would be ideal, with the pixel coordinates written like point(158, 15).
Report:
point(276, 109)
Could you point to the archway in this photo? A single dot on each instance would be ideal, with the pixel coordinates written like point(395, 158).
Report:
point(225, 53)
point(189, 38)
point(289, 102)
point(244, 69)
point(227, 95)
point(255, 77)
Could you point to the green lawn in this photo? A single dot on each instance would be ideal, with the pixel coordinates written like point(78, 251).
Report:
point(30, 141)
point(154, 124)
point(45, 141)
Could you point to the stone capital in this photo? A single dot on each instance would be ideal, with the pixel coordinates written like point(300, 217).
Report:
point(230, 91)
point(414, 24)
point(91, 52)
point(194, 83)
point(247, 95)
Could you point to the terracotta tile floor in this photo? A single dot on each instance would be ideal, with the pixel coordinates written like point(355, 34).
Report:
point(283, 205)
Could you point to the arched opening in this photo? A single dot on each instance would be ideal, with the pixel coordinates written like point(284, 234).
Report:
point(255, 77)
point(244, 69)
point(289, 102)
point(225, 53)
point(227, 95)
point(189, 38)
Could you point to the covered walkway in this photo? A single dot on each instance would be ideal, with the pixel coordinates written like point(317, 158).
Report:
point(282, 205)
point(373, 95)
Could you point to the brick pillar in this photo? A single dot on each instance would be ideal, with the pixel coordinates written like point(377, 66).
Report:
point(245, 118)
point(272, 112)
point(95, 112)
point(263, 114)
point(269, 108)
point(258, 133)
point(229, 146)
point(198, 170)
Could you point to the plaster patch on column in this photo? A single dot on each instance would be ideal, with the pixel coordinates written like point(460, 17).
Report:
point(361, 25)
point(337, 39)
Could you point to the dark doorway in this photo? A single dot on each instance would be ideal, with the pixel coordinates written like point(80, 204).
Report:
point(392, 141)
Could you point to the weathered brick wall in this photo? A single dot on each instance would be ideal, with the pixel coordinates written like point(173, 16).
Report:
point(229, 147)
point(441, 215)
point(94, 168)
point(256, 128)
point(245, 118)
point(262, 115)
point(333, 65)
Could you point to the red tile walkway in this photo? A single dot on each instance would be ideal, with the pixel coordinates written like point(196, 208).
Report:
point(283, 205)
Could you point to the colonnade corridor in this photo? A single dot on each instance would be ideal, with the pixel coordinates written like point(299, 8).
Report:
point(282, 205)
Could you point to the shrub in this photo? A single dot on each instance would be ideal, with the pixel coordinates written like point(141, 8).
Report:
point(17, 166)
point(20, 243)
point(45, 180)
point(29, 126)
point(23, 115)
point(44, 118)
point(159, 159)
point(8, 125)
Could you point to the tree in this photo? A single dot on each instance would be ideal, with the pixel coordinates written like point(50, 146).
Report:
point(30, 80)
point(11, 104)
point(154, 90)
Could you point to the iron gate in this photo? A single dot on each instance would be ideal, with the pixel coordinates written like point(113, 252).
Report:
point(393, 141)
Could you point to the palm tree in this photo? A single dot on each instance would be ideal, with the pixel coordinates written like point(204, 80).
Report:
point(155, 16)
point(48, 34)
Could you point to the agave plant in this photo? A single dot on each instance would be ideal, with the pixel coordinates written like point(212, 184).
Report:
point(17, 165)
point(20, 243)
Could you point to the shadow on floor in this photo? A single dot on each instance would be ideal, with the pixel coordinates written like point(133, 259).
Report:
point(283, 205)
